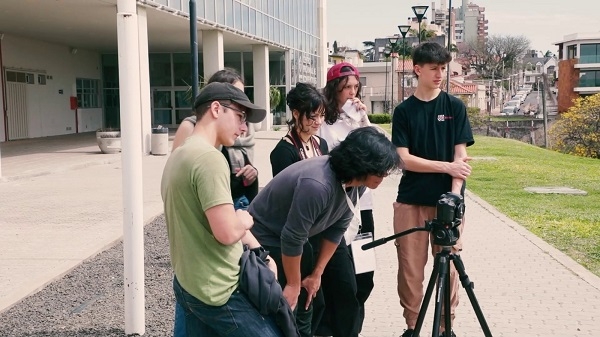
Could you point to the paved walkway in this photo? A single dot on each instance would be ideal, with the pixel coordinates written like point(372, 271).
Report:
point(60, 203)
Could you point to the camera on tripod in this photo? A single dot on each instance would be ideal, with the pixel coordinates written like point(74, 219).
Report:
point(450, 210)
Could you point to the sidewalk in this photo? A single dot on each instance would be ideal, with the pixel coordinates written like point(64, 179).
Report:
point(60, 204)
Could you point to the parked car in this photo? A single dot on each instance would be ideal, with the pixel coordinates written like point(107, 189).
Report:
point(513, 102)
point(523, 93)
point(527, 87)
point(509, 110)
point(518, 97)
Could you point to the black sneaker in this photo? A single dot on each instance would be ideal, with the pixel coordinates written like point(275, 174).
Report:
point(452, 334)
point(408, 333)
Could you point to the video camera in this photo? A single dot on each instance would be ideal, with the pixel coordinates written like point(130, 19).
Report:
point(450, 210)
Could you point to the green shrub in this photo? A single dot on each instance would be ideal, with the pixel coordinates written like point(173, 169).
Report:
point(380, 118)
point(476, 117)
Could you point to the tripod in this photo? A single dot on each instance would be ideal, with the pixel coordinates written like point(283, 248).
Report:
point(445, 236)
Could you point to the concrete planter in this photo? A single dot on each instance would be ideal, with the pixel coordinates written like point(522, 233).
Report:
point(109, 141)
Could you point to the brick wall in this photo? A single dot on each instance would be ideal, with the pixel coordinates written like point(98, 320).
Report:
point(568, 78)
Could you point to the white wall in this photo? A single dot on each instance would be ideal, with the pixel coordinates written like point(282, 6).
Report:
point(374, 93)
point(49, 112)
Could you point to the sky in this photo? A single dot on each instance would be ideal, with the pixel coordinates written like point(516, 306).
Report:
point(543, 22)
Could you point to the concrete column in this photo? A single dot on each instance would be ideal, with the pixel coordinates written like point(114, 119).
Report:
point(212, 52)
point(146, 108)
point(323, 53)
point(131, 161)
point(260, 66)
point(288, 79)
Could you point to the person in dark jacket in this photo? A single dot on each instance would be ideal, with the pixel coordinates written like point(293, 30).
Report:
point(307, 105)
point(308, 112)
point(317, 197)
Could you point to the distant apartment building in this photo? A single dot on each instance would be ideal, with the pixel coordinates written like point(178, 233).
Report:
point(442, 18)
point(578, 67)
point(467, 22)
point(471, 24)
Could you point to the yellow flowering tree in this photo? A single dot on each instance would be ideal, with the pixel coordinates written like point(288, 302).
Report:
point(577, 131)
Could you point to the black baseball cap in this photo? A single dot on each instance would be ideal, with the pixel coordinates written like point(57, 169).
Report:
point(216, 91)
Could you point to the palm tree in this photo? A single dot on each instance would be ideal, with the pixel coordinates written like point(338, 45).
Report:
point(369, 51)
point(426, 34)
point(401, 48)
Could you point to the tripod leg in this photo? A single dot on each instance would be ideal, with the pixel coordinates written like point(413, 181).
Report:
point(440, 292)
point(427, 297)
point(468, 285)
point(447, 308)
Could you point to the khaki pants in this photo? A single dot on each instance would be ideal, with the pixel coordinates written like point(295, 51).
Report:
point(412, 258)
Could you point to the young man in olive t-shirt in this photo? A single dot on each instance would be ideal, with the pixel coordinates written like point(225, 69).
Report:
point(431, 132)
point(205, 232)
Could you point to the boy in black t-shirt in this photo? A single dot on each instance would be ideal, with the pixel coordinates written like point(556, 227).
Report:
point(431, 132)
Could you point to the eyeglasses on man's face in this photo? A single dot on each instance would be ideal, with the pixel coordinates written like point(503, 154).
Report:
point(241, 114)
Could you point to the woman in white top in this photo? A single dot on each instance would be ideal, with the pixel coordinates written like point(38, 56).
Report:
point(345, 293)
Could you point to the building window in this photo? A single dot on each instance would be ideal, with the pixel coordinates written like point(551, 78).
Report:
point(363, 81)
point(590, 79)
point(88, 93)
point(20, 77)
point(590, 53)
point(572, 52)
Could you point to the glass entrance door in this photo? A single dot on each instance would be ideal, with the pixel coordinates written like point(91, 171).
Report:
point(169, 107)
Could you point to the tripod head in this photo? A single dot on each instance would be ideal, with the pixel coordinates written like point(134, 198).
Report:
point(450, 209)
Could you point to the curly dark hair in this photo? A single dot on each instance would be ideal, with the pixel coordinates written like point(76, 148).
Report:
point(365, 151)
point(331, 91)
point(304, 98)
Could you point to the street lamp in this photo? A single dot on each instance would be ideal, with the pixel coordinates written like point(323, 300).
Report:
point(403, 30)
point(393, 41)
point(386, 52)
point(449, 45)
point(419, 13)
point(502, 82)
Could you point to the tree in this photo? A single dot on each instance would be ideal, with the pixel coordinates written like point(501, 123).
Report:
point(549, 54)
point(335, 47)
point(401, 48)
point(426, 34)
point(487, 57)
point(578, 129)
point(369, 51)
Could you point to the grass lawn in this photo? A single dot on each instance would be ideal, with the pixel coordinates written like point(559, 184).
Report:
point(386, 127)
point(570, 223)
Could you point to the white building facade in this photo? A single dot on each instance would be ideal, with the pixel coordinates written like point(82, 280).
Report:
point(61, 76)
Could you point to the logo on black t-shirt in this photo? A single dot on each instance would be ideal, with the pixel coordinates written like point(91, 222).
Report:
point(442, 118)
